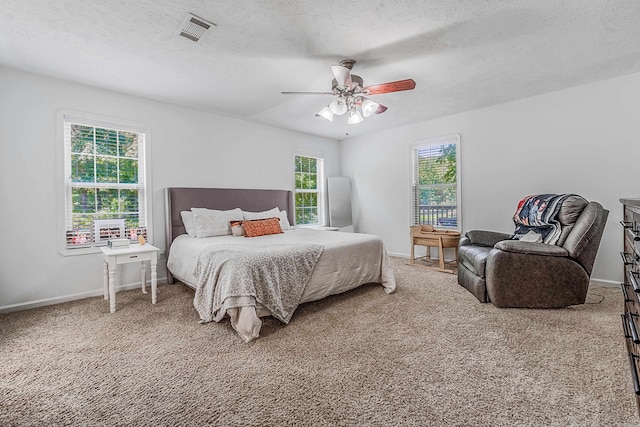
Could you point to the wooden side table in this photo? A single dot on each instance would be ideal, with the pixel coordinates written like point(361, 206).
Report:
point(134, 253)
point(440, 239)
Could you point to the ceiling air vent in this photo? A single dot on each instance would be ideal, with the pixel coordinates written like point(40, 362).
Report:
point(194, 27)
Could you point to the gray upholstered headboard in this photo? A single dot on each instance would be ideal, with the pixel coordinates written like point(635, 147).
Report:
point(178, 199)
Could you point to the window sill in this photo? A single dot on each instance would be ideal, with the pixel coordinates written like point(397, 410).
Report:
point(83, 251)
point(87, 251)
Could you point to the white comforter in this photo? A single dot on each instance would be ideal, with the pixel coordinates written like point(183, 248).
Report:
point(348, 261)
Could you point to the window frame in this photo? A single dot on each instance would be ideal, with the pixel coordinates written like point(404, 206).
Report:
point(64, 186)
point(320, 179)
point(414, 147)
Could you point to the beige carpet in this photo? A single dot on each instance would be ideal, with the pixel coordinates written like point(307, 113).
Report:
point(429, 355)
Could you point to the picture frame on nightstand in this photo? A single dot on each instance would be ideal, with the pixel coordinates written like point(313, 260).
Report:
point(105, 229)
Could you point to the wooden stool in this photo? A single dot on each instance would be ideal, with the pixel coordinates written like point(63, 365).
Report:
point(428, 236)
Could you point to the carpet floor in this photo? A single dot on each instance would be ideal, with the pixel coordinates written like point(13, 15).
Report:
point(428, 355)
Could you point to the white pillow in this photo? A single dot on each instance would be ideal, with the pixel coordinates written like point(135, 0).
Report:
point(209, 223)
point(284, 221)
point(187, 220)
point(271, 213)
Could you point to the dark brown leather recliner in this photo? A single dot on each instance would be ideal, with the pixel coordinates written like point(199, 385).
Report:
point(513, 273)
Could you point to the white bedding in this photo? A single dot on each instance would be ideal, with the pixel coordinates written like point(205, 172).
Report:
point(348, 261)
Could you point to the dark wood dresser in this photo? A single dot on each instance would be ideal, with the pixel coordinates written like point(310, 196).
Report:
point(631, 289)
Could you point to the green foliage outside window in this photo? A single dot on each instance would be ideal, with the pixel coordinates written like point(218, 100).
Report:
point(306, 184)
point(103, 156)
point(436, 192)
point(306, 208)
point(437, 165)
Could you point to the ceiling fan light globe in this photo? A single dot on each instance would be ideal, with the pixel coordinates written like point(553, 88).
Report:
point(326, 113)
point(338, 106)
point(369, 107)
point(355, 117)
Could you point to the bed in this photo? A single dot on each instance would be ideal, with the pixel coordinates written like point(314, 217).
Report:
point(341, 261)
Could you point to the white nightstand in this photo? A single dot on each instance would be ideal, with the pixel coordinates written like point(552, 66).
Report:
point(134, 253)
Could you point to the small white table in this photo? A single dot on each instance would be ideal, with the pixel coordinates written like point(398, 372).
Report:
point(134, 253)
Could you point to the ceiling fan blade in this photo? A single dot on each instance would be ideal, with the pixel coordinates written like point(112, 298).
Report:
point(342, 75)
point(398, 86)
point(367, 105)
point(381, 109)
point(307, 93)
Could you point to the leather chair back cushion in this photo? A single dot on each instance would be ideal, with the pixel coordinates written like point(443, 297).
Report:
point(570, 211)
point(583, 241)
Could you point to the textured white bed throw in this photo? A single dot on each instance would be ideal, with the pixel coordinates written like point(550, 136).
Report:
point(348, 260)
point(274, 276)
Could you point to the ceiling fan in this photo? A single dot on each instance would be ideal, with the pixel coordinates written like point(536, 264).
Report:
point(351, 94)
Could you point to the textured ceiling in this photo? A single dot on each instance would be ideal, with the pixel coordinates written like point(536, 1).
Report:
point(463, 54)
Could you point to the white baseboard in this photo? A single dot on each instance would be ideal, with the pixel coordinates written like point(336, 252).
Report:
point(72, 297)
point(398, 255)
point(603, 282)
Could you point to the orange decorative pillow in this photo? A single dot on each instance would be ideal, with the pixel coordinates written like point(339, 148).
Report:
point(262, 227)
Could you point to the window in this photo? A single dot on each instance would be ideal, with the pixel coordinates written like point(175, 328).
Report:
point(436, 182)
point(309, 195)
point(105, 191)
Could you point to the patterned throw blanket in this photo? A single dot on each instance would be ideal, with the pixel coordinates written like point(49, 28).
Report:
point(240, 276)
point(538, 213)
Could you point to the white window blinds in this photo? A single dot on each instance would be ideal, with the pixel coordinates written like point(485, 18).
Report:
point(105, 189)
point(309, 178)
point(436, 183)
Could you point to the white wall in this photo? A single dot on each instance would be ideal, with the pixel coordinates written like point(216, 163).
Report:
point(583, 140)
point(189, 147)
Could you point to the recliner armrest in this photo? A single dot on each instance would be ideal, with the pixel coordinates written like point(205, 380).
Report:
point(516, 246)
point(486, 238)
